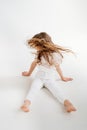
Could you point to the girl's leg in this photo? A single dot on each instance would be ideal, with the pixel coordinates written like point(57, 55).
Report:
point(36, 85)
point(58, 93)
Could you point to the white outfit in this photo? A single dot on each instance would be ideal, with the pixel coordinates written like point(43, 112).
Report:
point(45, 77)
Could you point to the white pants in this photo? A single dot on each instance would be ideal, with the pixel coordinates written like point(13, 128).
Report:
point(52, 86)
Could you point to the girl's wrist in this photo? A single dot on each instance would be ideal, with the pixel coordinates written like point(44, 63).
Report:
point(62, 77)
point(29, 73)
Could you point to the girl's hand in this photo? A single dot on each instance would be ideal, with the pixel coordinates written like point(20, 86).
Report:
point(66, 79)
point(25, 73)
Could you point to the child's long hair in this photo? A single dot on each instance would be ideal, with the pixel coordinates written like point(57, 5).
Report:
point(47, 47)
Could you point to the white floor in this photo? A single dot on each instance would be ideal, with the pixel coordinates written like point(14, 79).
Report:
point(46, 112)
point(66, 22)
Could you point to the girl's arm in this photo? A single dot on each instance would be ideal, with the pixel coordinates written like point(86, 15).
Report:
point(61, 74)
point(32, 67)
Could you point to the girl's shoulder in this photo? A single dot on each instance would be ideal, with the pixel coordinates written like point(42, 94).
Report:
point(57, 58)
point(56, 55)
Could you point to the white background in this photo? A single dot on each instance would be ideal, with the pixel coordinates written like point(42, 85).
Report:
point(66, 22)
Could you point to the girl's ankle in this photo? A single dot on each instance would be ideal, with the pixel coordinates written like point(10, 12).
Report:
point(67, 103)
point(27, 102)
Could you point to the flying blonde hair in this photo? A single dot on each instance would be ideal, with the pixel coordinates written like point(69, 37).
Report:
point(47, 47)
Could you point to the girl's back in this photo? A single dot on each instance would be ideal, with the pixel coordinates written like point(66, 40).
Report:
point(47, 71)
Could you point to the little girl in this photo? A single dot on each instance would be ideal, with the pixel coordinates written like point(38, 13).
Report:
point(48, 57)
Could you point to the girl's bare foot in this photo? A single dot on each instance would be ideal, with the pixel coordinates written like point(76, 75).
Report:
point(25, 106)
point(69, 106)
